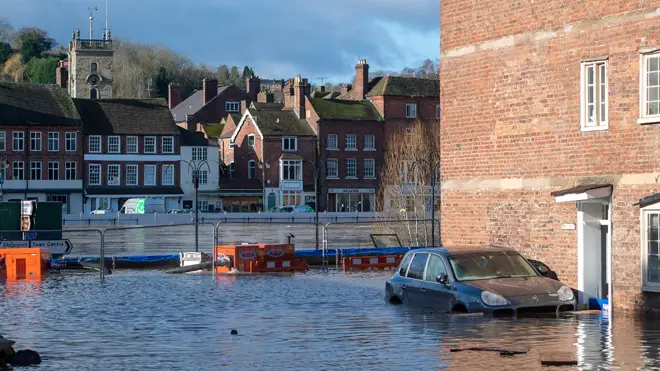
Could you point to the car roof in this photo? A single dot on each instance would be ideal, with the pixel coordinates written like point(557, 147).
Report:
point(463, 250)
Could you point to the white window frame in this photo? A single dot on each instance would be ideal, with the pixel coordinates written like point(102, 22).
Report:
point(54, 138)
point(70, 141)
point(354, 167)
point(97, 142)
point(165, 170)
point(3, 141)
point(200, 153)
point(118, 181)
point(114, 147)
point(203, 176)
point(132, 144)
point(598, 87)
point(335, 147)
point(252, 166)
point(129, 168)
point(290, 140)
point(90, 172)
point(203, 205)
point(35, 136)
point(149, 170)
point(250, 140)
point(15, 167)
point(296, 164)
point(336, 168)
point(644, 214)
point(373, 142)
point(39, 168)
point(411, 110)
point(55, 167)
point(70, 170)
point(232, 106)
point(17, 137)
point(169, 150)
point(149, 138)
point(373, 168)
point(645, 55)
point(354, 142)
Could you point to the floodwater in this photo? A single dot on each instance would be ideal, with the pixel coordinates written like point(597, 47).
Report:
point(147, 320)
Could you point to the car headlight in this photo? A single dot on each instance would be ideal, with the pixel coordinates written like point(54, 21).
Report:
point(565, 294)
point(493, 300)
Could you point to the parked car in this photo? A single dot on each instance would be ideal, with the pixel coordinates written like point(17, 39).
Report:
point(179, 211)
point(495, 281)
point(544, 269)
point(103, 212)
point(290, 209)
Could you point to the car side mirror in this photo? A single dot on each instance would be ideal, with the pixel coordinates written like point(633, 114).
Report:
point(442, 278)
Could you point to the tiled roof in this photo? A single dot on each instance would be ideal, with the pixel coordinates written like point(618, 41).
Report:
point(213, 130)
point(126, 116)
point(191, 105)
point(351, 110)
point(267, 106)
point(192, 138)
point(350, 95)
point(283, 122)
point(37, 104)
point(406, 87)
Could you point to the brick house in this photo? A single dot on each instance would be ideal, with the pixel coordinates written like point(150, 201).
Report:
point(40, 145)
point(549, 124)
point(131, 149)
point(273, 152)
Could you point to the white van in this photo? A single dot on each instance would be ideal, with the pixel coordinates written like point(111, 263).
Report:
point(144, 206)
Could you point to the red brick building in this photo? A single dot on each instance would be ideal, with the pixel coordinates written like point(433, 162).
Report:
point(549, 132)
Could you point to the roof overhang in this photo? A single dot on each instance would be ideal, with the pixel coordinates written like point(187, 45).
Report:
point(583, 193)
point(648, 200)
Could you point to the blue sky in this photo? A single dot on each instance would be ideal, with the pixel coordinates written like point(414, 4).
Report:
point(277, 38)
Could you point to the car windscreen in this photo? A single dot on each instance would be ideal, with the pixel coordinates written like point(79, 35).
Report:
point(488, 265)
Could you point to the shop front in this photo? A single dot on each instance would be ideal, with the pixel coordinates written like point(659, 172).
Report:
point(351, 199)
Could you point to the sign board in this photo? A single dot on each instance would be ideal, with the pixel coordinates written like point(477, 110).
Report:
point(568, 226)
point(352, 190)
point(56, 247)
point(14, 244)
point(27, 207)
point(30, 235)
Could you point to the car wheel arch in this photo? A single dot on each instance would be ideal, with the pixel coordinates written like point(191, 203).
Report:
point(459, 308)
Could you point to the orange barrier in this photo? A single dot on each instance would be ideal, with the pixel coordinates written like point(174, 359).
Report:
point(21, 263)
point(371, 262)
point(266, 258)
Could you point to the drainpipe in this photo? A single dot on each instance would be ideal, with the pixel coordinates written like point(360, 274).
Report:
point(26, 166)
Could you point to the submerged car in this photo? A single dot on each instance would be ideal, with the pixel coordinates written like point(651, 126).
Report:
point(495, 281)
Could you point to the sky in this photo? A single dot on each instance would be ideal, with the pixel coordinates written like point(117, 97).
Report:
point(278, 39)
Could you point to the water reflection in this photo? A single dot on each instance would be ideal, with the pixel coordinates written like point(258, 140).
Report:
point(153, 321)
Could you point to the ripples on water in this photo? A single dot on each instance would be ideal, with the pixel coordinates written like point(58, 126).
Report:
point(313, 321)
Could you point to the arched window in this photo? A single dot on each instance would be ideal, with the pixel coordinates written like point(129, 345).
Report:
point(251, 169)
point(94, 67)
point(93, 94)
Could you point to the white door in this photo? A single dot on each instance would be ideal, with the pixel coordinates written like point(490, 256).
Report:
point(591, 256)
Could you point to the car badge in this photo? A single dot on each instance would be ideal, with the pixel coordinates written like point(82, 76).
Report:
point(535, 298)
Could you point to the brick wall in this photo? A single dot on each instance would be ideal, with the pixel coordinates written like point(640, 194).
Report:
point(273, 152)
point(243, 152)
point(214, 111)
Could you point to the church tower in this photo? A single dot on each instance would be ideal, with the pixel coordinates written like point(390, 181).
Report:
point(90, 67)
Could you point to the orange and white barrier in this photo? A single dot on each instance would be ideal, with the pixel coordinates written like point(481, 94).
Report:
point(270, 258)
point(371, 262)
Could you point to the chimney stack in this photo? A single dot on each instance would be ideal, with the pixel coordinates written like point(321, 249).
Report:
point(361, 79)
point(253, 85)
point(173, 95)
point(299, 88)
point(266, 97)
point(62, 74)
point(210, 89)
point(289, 93)
point(345, 88)
point(190, 123)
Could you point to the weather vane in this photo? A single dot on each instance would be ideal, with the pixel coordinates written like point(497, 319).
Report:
point(91, 18)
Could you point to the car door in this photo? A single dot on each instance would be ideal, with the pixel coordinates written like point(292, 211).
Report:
point(413, 284)
point(436, 294)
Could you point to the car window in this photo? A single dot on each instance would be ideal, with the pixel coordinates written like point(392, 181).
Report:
point(489, 265)
point(403, 267)
point(435, 268)
point(417, 266)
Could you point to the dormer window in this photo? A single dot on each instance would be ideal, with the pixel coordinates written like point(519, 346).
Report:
point(250, 140)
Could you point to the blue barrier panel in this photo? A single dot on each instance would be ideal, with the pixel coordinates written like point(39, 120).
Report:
point(357, 251)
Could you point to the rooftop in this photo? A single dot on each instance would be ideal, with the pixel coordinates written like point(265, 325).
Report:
point(22, 104)
point(126, 116)
point(281, 122)
point(192, 104)
point(405, 87)
point(351, 110)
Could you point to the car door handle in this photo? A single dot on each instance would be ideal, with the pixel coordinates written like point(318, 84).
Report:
point(422, 289)
point(403, 287)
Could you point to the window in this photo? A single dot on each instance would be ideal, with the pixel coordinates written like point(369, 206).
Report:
point(70, 142)
point(291, 170)
point(250, 140)
point(93, 67)
point(411, 110)
point(168, 175)
point(17, 141)
point(149, 175)
point(93, 94)
point(594, 96)
point(403, 267)
point(202, 205)
point(113, 144)
point(131, 144)
point(149, 144)
point(369, 168)
point(435, 268)
point(416, 269)
point(290, 144)
point(131, 175)
point(59, 198)
point(168, 145)
point(35, 142)
point(114, 177)
point(94, 177)
point(331, 142)
point(649, 105)
point(95, 144)
point(369, 142)
point(437, 111)
point(332, 168)
point(35, 170)
point(351, 168)
point(232, 106)
point(53, 142)
point(251, 169)
point(203, 176)
point(291, 198)
point(199, 154)
point(406, 172)
point(351, 142)
point(231, 170)
point(18, 171)
point(53, 170)
point(3, 141)
point(70, 170)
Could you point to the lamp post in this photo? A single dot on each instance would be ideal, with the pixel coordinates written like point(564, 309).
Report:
point(317, 166)
point(263, 166)
point(196, 166)
point(433, 167)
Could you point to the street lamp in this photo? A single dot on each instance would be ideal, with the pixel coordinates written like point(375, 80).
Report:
point(434, 168)
point(317, 166)
point(196, 166)
point(263, 166)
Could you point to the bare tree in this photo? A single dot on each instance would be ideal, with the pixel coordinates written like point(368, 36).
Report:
point(408, 176)
point(6, 31)
point(14, 69)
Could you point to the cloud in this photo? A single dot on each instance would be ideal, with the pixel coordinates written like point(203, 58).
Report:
point(277, 38)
